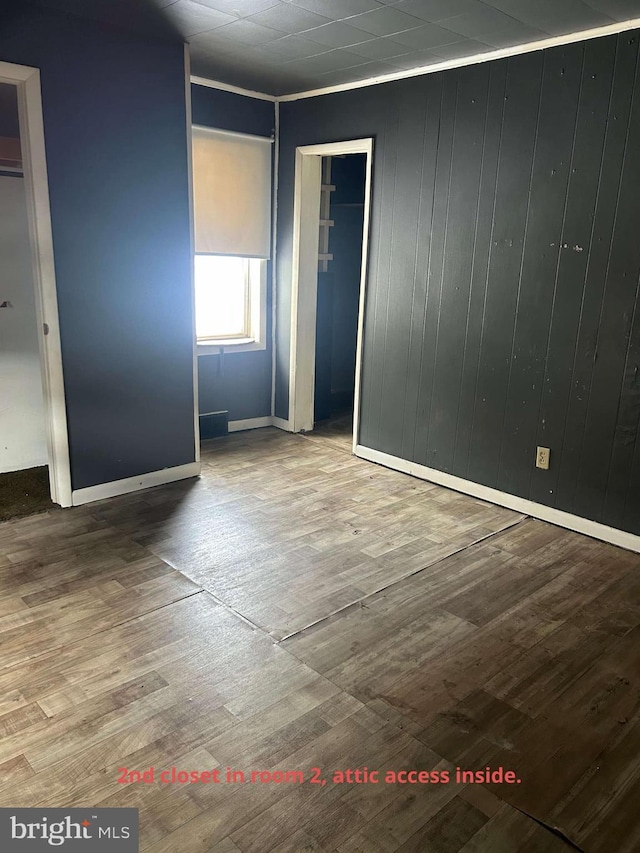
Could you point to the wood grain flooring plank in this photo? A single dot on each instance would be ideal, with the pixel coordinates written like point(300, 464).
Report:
point(346, 519)
point(447, 632)
point(15, 770)
point(448, 830)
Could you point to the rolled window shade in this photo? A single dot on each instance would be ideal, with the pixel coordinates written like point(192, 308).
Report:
point(231, 193)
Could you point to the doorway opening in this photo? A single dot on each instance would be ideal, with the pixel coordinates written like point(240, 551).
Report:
point(34, 453)
point(339, 271)
point(331, 228)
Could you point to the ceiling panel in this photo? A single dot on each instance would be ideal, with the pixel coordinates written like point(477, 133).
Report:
point(436, 10)
point(381, 48)
point(552, 15)
point(385, 21)
point(323, 63)
point(474, 23)
point(512, 33)
point(238, 8)
point(338, 34)
point(468, 47)
point(246, 31)
point(290, 18)
point(427, 36)
point(397, 34)
point(273, 45)
point(193, 18)
point(621, 10)
point(292, 47)
point(422, 58)
point(331, 42)
point(338, 9)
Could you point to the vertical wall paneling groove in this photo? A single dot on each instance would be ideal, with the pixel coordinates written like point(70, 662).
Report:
point(485, 217)
point(384, 266)
point(573, 254)
point(625, 439)
point(632, 496)
point(571, 481)
point(612, 415)
point(430, 147)
point(374, 351)
point(610, 339)
point(403, 240)
point(503, 307)
point(542, 247)
point(463, 197)
point(434, 265)
point(625, 463)
point(440, 275)
point(510, 221)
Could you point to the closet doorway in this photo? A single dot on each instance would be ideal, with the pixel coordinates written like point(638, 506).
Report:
point(34, 456)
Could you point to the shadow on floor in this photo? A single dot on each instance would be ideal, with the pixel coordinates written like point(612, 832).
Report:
point(338, 428)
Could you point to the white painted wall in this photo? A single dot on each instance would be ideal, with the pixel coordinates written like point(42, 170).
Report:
point(22, 417)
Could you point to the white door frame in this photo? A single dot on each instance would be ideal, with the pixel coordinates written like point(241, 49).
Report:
point(27, 82)
point(304, 278)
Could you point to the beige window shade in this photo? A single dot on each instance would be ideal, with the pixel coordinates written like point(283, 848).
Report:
point(231, 193)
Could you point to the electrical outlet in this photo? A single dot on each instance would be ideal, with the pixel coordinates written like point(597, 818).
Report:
point(542, 458)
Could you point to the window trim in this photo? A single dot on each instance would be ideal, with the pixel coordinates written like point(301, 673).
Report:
point(256, 306)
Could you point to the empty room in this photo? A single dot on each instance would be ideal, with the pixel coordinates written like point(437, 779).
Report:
point(320, 426)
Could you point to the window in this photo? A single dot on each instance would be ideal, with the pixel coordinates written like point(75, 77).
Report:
point(232, 215)
point(230, 301)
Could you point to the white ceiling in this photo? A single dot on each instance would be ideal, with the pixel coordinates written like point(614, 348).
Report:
point(284, 46)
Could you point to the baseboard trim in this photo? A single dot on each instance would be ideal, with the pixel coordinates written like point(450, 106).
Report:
point(249, 423)
point(259, 423)
point(134, 484)
point(485, 493)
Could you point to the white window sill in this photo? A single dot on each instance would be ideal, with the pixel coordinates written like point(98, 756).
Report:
point(230, 346)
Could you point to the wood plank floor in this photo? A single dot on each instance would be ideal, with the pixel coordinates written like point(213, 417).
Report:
point(298, 608)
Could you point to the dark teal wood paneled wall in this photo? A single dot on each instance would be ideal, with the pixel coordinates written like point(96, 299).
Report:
point(502, 308)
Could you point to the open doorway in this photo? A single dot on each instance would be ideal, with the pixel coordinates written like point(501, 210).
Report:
point(331, 227)
point(34, 454)
point(23, 438)
point(339, 271)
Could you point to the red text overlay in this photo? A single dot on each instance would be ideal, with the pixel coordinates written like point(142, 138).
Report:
point(316, 776)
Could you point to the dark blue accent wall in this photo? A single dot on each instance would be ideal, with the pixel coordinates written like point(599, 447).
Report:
point(237, 382)
point(115, 132)
point(502, 309)
point(230, 111)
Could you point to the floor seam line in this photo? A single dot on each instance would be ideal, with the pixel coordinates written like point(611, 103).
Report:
point(101, 631)
point(395, 582)
point(554, 830)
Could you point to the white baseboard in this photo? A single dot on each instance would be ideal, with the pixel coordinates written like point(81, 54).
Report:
point(259, 423)
point(134, 484)
point(485, 493)
point(249, 423)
